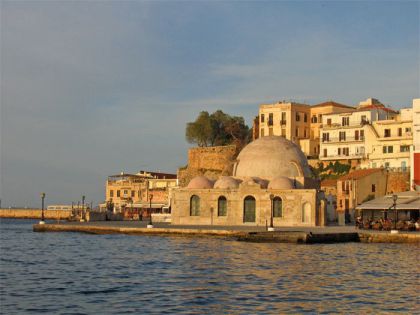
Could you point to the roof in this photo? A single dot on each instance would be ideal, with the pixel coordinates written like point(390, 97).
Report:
point(145, 174)
point(328, 182)
point(385, 109)
point(332, 103)
point(408, 200)
point(360, 173)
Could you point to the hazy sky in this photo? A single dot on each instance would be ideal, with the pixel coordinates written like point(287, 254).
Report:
point(93, 88)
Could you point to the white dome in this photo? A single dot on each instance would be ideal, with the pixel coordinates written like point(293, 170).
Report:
point(200, 182)
point(270, 157)
point(281, 182)
point(226, 182)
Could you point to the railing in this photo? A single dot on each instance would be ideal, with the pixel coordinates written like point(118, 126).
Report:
point(338, 157)
point(337, 125)
point(347, 139)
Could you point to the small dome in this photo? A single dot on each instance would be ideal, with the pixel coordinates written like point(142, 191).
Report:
point(226, 182)
point(200, 182)
point(281, 182)
point(272, 156)
point(249, 181)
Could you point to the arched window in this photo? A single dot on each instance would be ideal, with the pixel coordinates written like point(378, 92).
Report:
point(277, 207)
point(249, 209)
point(306, 213)
point(222, 206)
point(195, 205)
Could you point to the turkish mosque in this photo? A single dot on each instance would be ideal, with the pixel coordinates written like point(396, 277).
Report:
point(271, 181)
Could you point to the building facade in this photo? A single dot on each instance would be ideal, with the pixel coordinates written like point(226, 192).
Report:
point(296, 122)
point(357, 187)
point(137, 191)
point(415, 149)
point(371, 136)
point(271, 181)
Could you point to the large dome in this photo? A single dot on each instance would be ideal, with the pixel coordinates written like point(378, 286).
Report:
point(270, 157)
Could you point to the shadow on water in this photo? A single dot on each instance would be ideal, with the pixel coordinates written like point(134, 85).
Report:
point(70, 273)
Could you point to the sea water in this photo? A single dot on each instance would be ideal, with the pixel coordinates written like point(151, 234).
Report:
point(71, 273)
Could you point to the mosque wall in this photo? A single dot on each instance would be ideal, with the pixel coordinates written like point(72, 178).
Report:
point(294, 202)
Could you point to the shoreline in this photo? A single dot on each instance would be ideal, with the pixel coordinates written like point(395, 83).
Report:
point(294, 235)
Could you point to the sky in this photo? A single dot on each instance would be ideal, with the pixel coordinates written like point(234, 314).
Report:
point(92, 88)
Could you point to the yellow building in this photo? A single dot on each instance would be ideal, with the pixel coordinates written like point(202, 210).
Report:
point(372, 136)
point(344, 135)
point(134, 191)
point(390, 141)
point(296, 122)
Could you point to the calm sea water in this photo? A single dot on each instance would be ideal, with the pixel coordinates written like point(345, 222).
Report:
point(70, 273)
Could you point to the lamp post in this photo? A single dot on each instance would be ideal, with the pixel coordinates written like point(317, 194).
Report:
point(394, 199)
point(150, 224)
point(42, 209)
point(82, 219)
point(271, 227)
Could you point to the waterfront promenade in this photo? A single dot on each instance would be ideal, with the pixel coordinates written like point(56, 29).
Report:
point(332, 234)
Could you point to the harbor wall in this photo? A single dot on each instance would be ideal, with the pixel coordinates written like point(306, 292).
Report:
point(34, 214)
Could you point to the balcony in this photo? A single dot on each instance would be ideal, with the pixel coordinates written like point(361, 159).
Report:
point(348, 139)
point(343, 157)
point(283, 122)
point(340, 126)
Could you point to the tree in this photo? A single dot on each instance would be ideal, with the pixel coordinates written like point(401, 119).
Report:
point(217, 129)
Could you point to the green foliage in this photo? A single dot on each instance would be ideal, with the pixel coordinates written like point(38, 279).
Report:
point(217, 129)
point(331, 171)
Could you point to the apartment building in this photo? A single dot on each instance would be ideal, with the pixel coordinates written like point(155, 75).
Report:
point(389, 142)
point(349, 135)
point(296, 122)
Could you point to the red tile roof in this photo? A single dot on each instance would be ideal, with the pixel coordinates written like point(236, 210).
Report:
point(329, 182)
point(360, 173)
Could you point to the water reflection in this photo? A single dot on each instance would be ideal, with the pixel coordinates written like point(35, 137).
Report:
point(74, 273)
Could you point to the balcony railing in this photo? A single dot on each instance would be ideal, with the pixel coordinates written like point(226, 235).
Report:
point(342, 157)
point(347, 139)
point(337, 125)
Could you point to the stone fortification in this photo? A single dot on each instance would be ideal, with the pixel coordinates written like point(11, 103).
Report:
point(211, 162)
point(35, 214)
point(398, 182)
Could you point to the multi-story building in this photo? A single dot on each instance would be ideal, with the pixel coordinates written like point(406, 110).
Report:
point(139, 191)
point(344, 136)
point(296, 122)
point(389, 142)
point(357, 187)
point(415, 149)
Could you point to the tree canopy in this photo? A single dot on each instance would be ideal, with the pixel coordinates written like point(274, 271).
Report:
point(216, 129)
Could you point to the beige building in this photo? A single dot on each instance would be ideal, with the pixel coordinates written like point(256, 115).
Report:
point(357, 187)
point(351, 135)
point(271, 180)
point(134, 191)
point(296, 122)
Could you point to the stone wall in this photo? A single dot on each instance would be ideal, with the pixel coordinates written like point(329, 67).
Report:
point(398, 182)
point(35, 214)
point(208, 161)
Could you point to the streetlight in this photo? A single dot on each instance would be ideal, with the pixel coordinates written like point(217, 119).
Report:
point(83, 209)
point(42, 209)
point(150, 224)
point(271, 227)
point(394, 199)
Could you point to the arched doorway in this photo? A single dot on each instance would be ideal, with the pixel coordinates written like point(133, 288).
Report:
point(306, 212)
point(249, 209)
